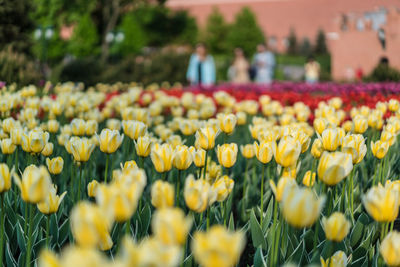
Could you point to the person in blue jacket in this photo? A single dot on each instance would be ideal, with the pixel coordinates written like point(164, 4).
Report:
point(201, 70)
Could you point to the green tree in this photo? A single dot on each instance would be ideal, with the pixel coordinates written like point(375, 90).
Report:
point(216, 32)
point(305, 47)
point(85, 38)
point(245, 32)
point(135, 37)
point(320, 43)
point(292, 43)
point(15, 25)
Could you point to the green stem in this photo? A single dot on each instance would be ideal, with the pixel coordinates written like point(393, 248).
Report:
point(48, 230)
point(72, 185)
point(178, 182)
point(380, 170)
point(29, 247)
point(316, 234)
point(3, 214)
point(127, 228)
point(208, 218)
point(262, 195)
point(80, 182)
point(352, 193)
point(16, 159)
point(205, 165)
point(276, 238)
point(274, 230)
point(343, 197)
point(382, 231)
point(106, 170)
point(26, 217)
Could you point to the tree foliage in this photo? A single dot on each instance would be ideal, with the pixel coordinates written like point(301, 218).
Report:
point(292, 43)
point(320, 43)
point(216, 33)
point(245, 32)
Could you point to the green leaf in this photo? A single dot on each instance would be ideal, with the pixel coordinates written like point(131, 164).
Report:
point(297, 253)
point(20, 237)
point(54, 228)
point(356, 233)
point(63, 232)
point(259, 259)
point(231, 225)
point(145, 218)
point(256, 233)
point(9, 257)
point(188, 262)
point(268, 214)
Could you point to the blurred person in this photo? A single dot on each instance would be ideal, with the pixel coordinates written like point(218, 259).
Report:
point(201, 69)
point(359, 74)
point(239, 70)
point(264, 62)
point(312, 70)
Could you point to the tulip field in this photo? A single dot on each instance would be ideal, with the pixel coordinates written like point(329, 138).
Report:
point(123, 176)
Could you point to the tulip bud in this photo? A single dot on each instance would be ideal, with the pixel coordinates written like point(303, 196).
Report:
point(309, 179)
point(227, 123)
point(134, 129)
point(317, 149)
point(198, 194)
point(382, 203)
point(143, 146)
point(198, 156)
point(336, 227)
point(283, 183)
point(110, 140)
point(51, 202)
point(241, 118)
point(333, 167)
point(53, 126)
point(162, 194)
point(390, 249)
point(182, 158)
point(5, 178)
point(78, 127)
point(81, 148)
point(330, 139)
point(223, 187)
point(287, 151)
point(34, 141)
point(248, 151)
point(206, 137)
point(227, 154)
point(91, 127)
point(360, 124)
point(34, 185)
point(393, 105)
point(16, 136)
point(355, 146)
point(218, 247)
point(92, 188)
point(300, 207)
point(55, 165)
point(339, 259)
point(320, 124)
point(161, 156)
point(264, 151)
point(48, 149)
point(7, 146)
point(187, 127)
point(379, 149)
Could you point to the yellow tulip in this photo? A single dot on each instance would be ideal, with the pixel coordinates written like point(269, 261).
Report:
point(81, 149)
point(339, 259)
point(198, 156)
point(171, 226)
point(53, 126)
point(161, 156)
point(309, 179)
point(333, 167)
point(213, 170)
point(143, 146)
point(5, 178)
point(51, 202)
point(206, 137)
point(118, 199)
point(92, 188)
point(34, 141)
point(187, 127)
point(320, 124)
point(78, 127)
point(317, 149)
point(16, 136)
point(162, 194)
point(34, 185)
point(113, 124)
point(388, 137)
point(227, 154)
point(241, 118)
point(110, 140)
point(227, 122)
point(134, 129)
point(360, 124)
point(8, 124)
point(381, 203)
point(223, 187)
point(283, 183)
point(300, 207)
point(248, 151)
point(390, 249)
point(287, 151)
point(198, 194)
point(355, 146)
point(347, 126)
point(48, 149)
point(7, 146)
point(131, 164)
point(393, 105)
point(91, 127)
point(264, 151)
point(379, 149)
point(182, 158)
point(218, 247)
point(55, 165)
point(90, 226)
point(331, 139)
point(336, 227)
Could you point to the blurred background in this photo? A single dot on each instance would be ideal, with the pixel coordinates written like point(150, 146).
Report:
point(151, 41)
